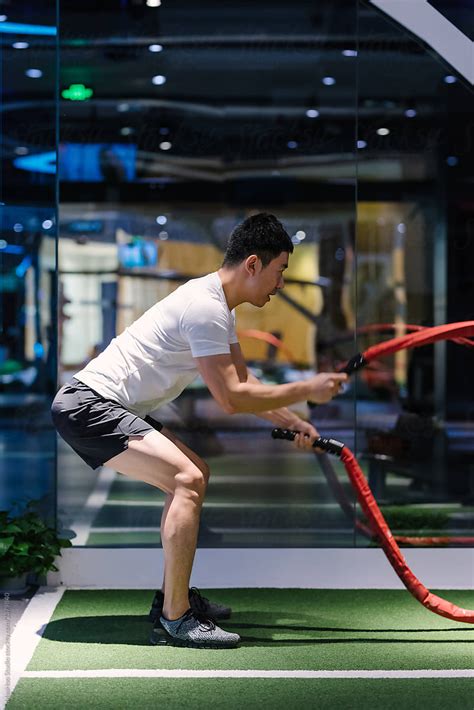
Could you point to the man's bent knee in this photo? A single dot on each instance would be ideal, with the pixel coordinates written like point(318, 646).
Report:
point(205, 471)
point(191, 481)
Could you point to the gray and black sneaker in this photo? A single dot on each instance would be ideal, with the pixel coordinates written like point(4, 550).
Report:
point(192, 630)
point(197, 602)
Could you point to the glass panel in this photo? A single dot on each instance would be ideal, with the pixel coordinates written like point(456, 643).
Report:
point(28, 39)
point(414, 259)
point(177, 122)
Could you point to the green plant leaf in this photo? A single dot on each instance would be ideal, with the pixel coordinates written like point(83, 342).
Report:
point(5, 544)
point(22, 548)
point(28, 543)
point(11, 528)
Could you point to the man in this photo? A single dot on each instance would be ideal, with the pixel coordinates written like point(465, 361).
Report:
point(103, 412)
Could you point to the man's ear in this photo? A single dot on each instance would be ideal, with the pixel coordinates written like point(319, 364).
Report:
point(253, 265)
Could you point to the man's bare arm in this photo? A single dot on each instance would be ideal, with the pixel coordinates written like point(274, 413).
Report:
point(282, 417)
point(220, 374)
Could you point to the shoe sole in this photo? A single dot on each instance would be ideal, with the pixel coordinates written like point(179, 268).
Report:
point(159, 637)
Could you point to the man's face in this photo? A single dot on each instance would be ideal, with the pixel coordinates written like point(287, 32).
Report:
point(270, 279)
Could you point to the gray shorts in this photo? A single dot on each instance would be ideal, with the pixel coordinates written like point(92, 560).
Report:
point(95, 427)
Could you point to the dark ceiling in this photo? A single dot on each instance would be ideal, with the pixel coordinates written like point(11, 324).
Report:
point(239, 80)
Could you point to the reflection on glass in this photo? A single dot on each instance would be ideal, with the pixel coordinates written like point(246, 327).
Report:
point(27, 260)
point(214, 117)
point(414, 421)
point(171, 135)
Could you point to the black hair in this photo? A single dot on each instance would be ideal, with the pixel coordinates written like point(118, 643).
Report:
point(263, 235)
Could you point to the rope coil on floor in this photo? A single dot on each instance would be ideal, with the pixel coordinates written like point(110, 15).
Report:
point(377, 522)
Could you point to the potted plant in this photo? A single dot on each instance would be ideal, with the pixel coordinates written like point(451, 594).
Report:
point(27, 546)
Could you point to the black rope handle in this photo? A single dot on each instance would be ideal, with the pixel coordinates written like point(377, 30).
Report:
point(331, 446)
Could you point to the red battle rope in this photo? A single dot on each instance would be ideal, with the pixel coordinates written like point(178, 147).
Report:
point(365, 497)
point(347, 508)
point(426, 336)
point(456, 332)
point(382, 532)
point(381, 327)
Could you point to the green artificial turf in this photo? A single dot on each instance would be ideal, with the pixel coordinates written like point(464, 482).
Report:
point(257, 501)
point(104, 539)
point(235, 694)
point(297, 629)
point(258, 515)
point(222, 491)
point(267, 539)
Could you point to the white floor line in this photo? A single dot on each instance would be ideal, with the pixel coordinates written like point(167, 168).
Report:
point(260, 531)
point(125, 530)
point(22, 644)
point(94, 503)
point(166, 673)
point(252, 479)
point(213, 504)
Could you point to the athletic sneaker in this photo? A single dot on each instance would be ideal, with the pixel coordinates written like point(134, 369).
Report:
point(192, 630)
point(197, 603)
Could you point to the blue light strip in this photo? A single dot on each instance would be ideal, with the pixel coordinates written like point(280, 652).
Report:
point(21, 29)
point(12, 249)
point(38, 162)
point(23, 267)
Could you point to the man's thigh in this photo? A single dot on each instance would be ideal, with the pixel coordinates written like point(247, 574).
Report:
point(154, 458)
point(192, 455)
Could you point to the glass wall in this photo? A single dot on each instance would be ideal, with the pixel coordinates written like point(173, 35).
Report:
point(413, 252)
point(28, 37)
point(177, 122)
point(192, 118)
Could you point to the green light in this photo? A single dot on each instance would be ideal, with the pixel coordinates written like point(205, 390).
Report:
point(77, 92)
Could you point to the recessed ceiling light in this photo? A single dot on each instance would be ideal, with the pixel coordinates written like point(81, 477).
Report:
point(450, 79)
point(292, 144)
point(47, 224)
point(163, 236)
point(34, 73)
point(410, 113)
point(20, 45)
point(362, 144)
point(161, 219)
point(153, 3)
point(21, 150)
point(158, 79)
point(349, 52)
point(155, 48)
point(123, 107)
point(300, 234)
point(18, 227)
point(165, 145)
point(383, 131)
point(312, 113)
point(3, 18)
point(328, 81)
point(401, 228)
point(126, 131)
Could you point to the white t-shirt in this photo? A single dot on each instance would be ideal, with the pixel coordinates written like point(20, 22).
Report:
point(152, 361)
